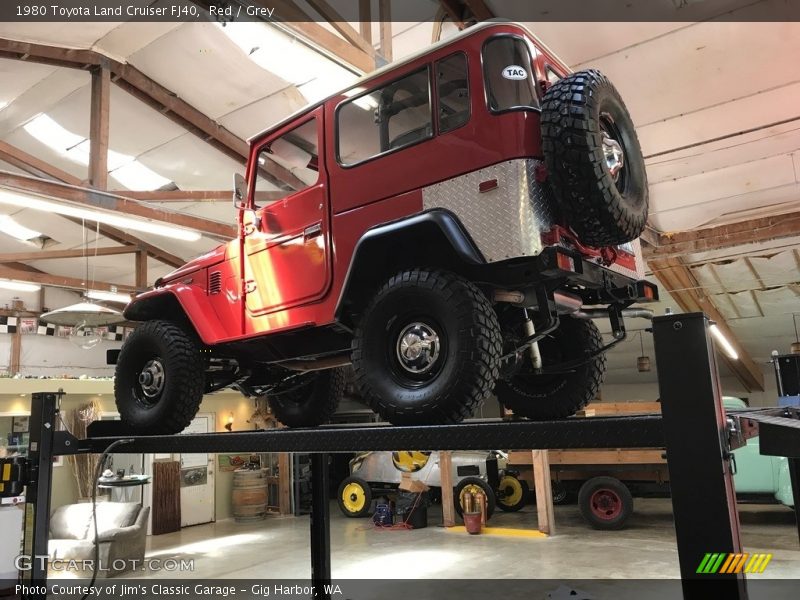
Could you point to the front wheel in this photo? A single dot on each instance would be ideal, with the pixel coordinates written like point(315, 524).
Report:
point(427, 349)
point(159, 379)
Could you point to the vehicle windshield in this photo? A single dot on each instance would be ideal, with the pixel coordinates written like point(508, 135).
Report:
point(508, 74)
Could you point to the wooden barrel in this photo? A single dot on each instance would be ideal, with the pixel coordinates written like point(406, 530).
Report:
point(249, 494)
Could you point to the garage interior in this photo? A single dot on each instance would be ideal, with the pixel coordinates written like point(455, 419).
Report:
point(150, 120)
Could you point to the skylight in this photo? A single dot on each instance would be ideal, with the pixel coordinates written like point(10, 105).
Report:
point(10, 227)
point(3, 104)
point(135, 176)
point(124, 168)
point(286, 57)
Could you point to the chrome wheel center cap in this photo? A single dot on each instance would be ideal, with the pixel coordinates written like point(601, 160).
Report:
point(615, 155)
point(418, 347)
point(151, 379)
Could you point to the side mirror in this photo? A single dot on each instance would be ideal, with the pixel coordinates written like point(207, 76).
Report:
point(239, 191)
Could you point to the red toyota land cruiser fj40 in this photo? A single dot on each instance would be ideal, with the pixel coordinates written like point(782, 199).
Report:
point(450, 226)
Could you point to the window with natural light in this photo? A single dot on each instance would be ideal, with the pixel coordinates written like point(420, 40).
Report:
point(10, 227)
point(125, 169)
point(315, 76)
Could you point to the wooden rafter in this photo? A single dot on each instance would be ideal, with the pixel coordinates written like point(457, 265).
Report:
point(758, 230)
point(153, 94)
point(30, 164)
point(342, 26)
point(74, 283)
point(479, 9)
point(365, 20)
point(385, 17)
point(123, 237)
point(455, 10)
point(680, 282)
point(196, 196)
point(10, 257)
point(100, 112)
point(98, 199)
point(295, 19)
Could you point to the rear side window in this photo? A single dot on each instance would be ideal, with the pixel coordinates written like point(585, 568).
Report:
point(452, 86)
point(507, 71)
point(387, 119)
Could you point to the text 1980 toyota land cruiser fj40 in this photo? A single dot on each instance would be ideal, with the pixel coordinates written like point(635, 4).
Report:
point(447, 221)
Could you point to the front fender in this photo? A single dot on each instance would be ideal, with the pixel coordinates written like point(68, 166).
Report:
point(179, 302)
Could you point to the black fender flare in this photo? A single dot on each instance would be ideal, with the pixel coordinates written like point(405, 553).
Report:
point(437, 234)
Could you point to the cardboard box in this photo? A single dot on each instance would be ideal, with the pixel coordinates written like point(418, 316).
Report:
point(411, 485)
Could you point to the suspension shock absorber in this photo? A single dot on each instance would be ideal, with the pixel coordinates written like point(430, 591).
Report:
point(530, 331)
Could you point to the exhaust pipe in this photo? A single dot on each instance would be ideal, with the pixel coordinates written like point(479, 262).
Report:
point(629, 313)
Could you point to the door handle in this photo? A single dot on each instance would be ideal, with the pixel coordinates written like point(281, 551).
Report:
point(312, 231)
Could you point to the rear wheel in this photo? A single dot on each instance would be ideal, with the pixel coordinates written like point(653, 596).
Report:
point(594, 160)
point(556, 395)
point(309, 399)
point(355, 497)
point(605, 503)
point(427, 349)
point(159, 379)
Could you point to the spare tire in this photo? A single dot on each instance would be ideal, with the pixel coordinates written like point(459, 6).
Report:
point(594, 160)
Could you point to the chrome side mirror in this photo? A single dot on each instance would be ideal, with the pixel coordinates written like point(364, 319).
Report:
point(239, 191)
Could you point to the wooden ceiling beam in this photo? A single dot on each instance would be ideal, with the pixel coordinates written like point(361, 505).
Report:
point(133, 81)
point(123, 237)
point(340, 24)
point(720, 237)
point(97, 199)
point(479, 9)
point(99, 116)
point(8, 257)
point(30, 164)
point(455, 10)
point(196, 196)
point(7, 272)
point(677, 278)
point(294, 19)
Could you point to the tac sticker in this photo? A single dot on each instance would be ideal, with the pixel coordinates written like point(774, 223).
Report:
point(515, 72)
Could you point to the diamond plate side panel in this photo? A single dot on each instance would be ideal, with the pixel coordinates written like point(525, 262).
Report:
point(506, 222)
point(639, 272)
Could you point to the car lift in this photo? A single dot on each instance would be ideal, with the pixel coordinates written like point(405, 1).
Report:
point(694, 429)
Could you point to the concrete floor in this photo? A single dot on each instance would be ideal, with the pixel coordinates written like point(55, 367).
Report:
point(279, 548)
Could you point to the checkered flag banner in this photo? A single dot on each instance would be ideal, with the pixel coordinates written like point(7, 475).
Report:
point(8, 324)
point(46, 329)
point(117, 333)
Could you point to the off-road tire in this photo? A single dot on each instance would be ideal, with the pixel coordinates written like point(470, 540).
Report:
point(463, 375)
point(609, 485)
point(575, 112)
point(542, 397)
point(491, 500)
point(178, 350)
point(311, 403)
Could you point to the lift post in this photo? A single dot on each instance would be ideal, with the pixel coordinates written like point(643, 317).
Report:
point(698, 453)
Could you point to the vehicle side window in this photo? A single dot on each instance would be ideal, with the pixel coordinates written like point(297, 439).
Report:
point(387, 119)
point(452, 84)
point(507, 70)
point(296, 152)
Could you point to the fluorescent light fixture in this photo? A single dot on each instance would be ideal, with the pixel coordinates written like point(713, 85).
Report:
point(135, 176)
point(19, 286)
point(10, 227)
point(108, 296)
point(70, 210)
point(723, 342)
